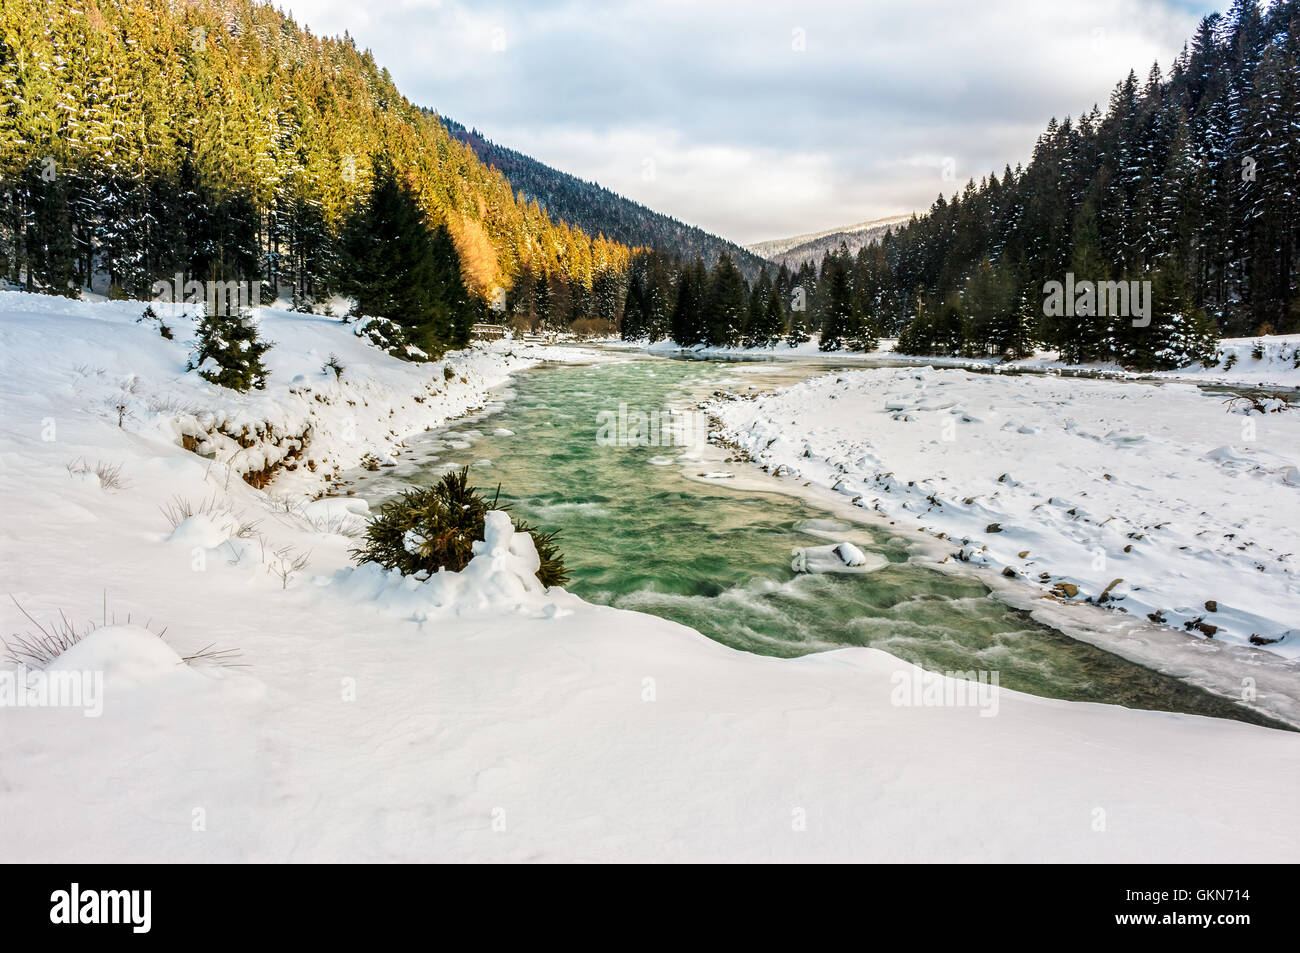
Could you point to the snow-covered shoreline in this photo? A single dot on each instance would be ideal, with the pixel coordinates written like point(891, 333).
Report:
point(1072, 484)
point(310, 424)
point(1276, 366)
point(377, 718)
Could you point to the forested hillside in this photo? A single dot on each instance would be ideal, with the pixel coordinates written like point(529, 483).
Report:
point(1190, 180)
point(1183, 200)
point(219, 139)
point(600, 211)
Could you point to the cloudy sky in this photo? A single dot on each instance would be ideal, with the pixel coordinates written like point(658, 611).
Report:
point(763, 119)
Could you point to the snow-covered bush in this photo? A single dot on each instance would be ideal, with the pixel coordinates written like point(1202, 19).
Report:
point(106, 475)
point(436, 527)
point(229, 352)
point(383, 333)
point(150, 317)
point(1260, 401)
point(52, 640)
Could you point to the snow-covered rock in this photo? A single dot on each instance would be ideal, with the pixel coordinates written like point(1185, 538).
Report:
point(839, 557)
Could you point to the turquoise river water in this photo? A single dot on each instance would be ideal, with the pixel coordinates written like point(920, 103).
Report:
point(638, 534)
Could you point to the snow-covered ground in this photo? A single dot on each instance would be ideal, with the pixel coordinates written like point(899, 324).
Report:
point(1277, 363)
point(473, 717)
point(1158, 496)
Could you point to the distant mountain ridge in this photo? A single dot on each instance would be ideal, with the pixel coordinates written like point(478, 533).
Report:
point(598, 210)
point(797, 249)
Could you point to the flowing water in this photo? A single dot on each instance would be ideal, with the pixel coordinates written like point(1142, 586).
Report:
point(638, 534)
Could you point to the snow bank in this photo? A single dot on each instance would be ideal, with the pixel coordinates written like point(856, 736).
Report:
point(500, 579)
point(1267, 361)
point(387, 719)
point(1277, 363)
point(1157, 500)
point(308, 425)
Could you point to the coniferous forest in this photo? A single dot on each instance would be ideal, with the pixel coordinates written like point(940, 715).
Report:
point(220, 141)
point(1189, 180)
point(599, 210)
point(143, 140)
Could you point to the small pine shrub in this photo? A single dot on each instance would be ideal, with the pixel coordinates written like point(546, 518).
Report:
point(1230, 362)
point(430, 528)
point(551, 571)
point(1257, 352)
point(149, 316)
point(448, 372)
point(385, 334)
point(229, 352)
point(333, 364)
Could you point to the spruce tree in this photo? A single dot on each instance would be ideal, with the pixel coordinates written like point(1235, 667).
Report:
point(229, 351)
point(1179, 333)
point(798, 332)
point(864, 337)
point(725, 304)
point(772, 321)
point(755, 331)
point(989, 305)
point(634, 326)
point(398, 268)
point(839, 321)
point(688, 327)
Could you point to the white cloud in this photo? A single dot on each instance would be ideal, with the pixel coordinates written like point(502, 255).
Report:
point(750, 137)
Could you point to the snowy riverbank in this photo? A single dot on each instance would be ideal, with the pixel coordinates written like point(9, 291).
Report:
point(1159, 497)
point(1269, 361)
point(377, 718)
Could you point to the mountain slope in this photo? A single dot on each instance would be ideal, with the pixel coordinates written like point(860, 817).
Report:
point(797, 249)
point(139, 138)
point(599, 211)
